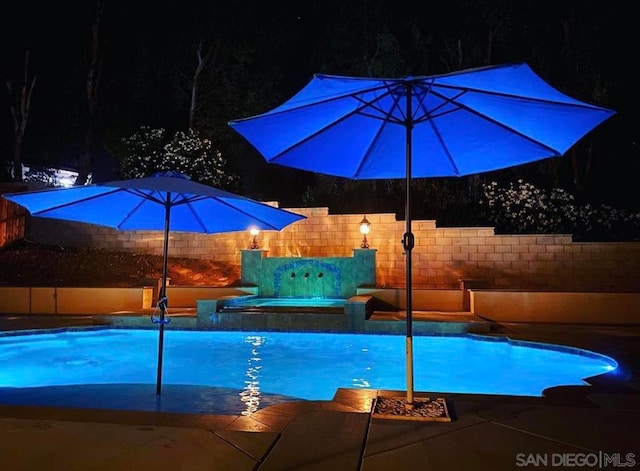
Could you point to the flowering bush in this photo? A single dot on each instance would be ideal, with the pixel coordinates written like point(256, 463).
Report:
point(186, 152)
point(521, 208)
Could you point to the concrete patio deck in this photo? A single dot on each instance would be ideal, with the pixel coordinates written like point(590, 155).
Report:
point(591, 427)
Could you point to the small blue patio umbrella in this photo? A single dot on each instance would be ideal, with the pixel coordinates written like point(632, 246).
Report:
point(450, 125)
point(166, 201)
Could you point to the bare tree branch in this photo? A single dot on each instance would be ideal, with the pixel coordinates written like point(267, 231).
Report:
point(19, 104)
point(200, 66)
point(93, 81)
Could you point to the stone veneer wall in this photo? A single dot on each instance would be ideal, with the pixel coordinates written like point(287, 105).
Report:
point(441, 257)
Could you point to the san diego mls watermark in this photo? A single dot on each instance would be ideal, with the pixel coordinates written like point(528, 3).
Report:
point(593, 460)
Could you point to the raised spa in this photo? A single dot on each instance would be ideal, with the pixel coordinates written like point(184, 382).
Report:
point(260, 304)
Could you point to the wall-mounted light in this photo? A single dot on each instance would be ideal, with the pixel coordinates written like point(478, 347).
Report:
point(254, 231)
point(364, 230)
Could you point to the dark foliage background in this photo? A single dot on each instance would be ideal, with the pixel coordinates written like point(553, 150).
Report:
point(257, 54)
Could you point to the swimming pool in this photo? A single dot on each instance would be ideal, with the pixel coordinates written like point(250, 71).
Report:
point(241, 372)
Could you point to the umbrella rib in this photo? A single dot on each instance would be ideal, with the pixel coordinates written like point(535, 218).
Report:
point(385, 122)
point(445, 148)
point(309, 137)
point(404, 124)
point(184, 199)
point(64, 205)
point(193, 198)
point(486, 118)
point(387, 116)
point(145, 197)
point(429, 117)
point(519, 97)
point(431, 114)
point(359, 110)
point(276, 112)
point(260, 220)
point(369, 149)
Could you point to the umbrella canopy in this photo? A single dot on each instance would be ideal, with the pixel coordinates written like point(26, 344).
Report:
point(166, 201)
point(462, 123)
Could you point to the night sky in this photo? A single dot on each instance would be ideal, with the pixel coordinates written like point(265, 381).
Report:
point(148, 47)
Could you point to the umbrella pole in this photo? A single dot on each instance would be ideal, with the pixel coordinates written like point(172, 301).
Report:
point(408, 243)
point(162, 300)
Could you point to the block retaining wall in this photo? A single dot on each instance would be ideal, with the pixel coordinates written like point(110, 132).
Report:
point(441, 258)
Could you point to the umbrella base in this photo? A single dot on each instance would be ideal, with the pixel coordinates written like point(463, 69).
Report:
point(424, 409)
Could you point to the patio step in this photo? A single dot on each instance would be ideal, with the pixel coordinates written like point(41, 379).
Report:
point(430, 316)
point(437, 321)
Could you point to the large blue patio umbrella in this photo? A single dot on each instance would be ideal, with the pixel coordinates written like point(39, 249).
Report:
point(449, 125)
point(166, 201)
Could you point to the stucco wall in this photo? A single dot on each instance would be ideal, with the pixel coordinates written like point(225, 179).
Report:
point(441, 257)
point(540, 306)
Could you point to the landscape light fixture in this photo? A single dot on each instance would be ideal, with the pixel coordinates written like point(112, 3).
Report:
point(254, 231)
point(364, 230)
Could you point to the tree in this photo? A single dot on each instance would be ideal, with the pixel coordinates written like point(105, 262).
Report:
point(19, 105)
point(186, 152)
point(92, 84)
point(523, 208)
point(202, 61)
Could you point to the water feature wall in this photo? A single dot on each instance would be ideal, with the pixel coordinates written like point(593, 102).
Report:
point(308, 277)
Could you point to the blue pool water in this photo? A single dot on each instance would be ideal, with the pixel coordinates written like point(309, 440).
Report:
point(285, 302)
point(241, 372)
point(298, 302)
